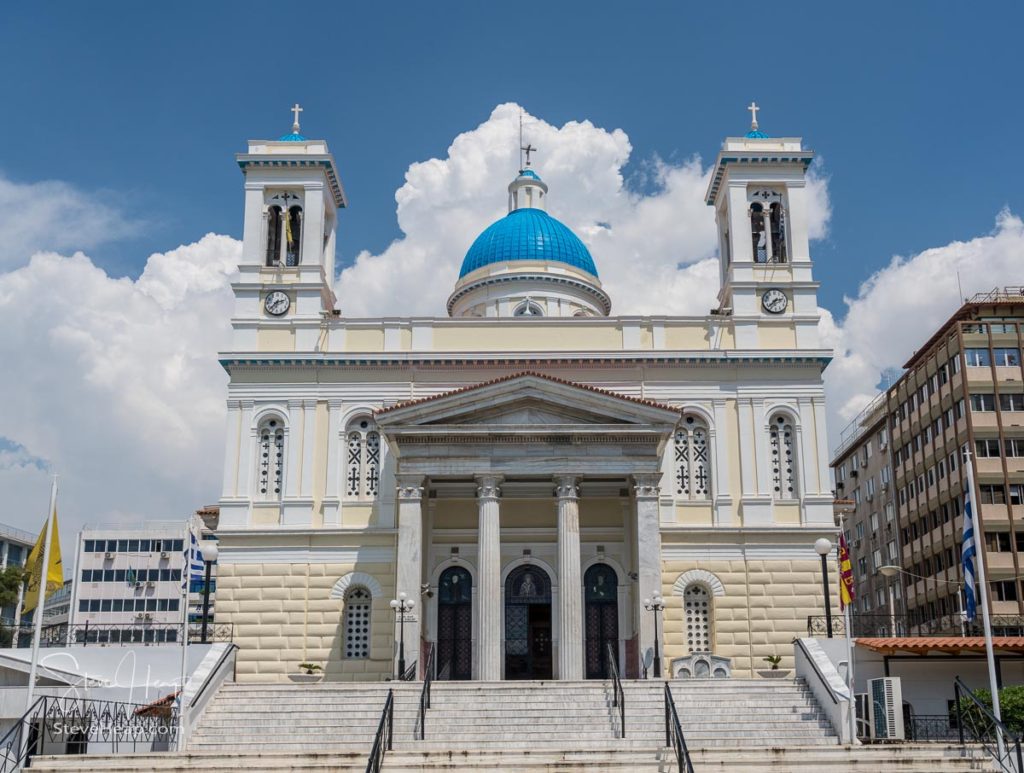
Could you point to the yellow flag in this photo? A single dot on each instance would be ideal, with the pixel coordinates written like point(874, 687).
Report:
point(34, 568)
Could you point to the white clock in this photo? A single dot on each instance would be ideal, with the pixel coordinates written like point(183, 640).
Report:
point(277, 303)
point(774, 301)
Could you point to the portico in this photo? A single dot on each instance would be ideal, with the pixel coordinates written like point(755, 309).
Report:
point(549, 463)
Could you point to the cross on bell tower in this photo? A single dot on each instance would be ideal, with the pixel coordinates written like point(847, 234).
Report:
point(528, 149)
point(753, 108)
point(295, 122)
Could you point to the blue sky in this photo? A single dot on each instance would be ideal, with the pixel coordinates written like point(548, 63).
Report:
point(910, 105)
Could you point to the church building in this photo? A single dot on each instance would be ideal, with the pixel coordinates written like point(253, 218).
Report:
point(547, 485)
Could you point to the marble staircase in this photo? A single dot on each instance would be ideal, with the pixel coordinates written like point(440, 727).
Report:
point(731, 726)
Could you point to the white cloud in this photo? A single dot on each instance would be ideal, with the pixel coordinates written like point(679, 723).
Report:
point(118, 388)
point(52, 215)
point(900, 306)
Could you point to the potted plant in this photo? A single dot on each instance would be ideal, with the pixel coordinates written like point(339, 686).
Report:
point(773, 672)
point(311, 672)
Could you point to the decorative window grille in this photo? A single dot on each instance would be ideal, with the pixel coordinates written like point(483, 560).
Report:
point(693, 470)
point(362, 460)
point(781, 438)
point(697, 606)
point(271, 458)
point(358, 604)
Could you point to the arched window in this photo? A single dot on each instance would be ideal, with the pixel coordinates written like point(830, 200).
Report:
point(758, 235)
point(362, 459)
point(783, 456)
point(693, 471)
point(528, 309)
point(271, 458)
point(358, 605)
point(293, 234)
point(777, 220)
point(273, 236)
point(697, 608)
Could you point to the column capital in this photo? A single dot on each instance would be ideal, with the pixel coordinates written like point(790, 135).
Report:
point(489, 486)
point(410, 485)
point(567, 486)
point(647, 485)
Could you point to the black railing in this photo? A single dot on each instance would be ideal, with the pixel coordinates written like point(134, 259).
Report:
point(975, 720)
point(382, 741)
point(76, 726)
point(409, 675)
point(913, 624)
point(64, 635)
point(618, 697)
point(674, 734)
point(428, 679)
point(924, 728)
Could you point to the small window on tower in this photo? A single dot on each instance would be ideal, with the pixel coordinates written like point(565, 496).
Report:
point(293, 235)
point(757, 233)
point(273, 236)
point(778, 232)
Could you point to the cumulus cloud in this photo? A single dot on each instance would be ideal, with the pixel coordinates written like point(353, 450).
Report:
point(117, 386)
point(53, 215)
point(912, 295)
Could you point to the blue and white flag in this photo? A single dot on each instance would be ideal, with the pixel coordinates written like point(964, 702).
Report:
point(193, 562)
point(967, 551)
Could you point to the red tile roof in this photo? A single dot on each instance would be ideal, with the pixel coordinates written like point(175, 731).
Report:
point(522, 374)
point(924, 644)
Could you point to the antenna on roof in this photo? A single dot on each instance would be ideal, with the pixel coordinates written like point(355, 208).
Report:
point(959, 287)
point(520, 139)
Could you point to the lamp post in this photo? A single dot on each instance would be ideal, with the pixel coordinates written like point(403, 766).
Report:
point(401, 605)
point(891, 571)
point(210, 550)
point(823, 547)
point(656, 605)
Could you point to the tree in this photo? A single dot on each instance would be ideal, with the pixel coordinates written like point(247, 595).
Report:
point(11, 579)
point(1011, 705)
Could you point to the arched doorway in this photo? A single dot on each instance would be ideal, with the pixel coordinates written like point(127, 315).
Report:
point(528, 624)
point(455, 624)
point(601, 618)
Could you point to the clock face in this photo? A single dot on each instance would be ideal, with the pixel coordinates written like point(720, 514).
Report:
point(774, 301)
point(277, 303)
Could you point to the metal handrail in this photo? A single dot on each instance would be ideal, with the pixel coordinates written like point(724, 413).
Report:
point(409, 675)
point(674, 734)
point(428, 679)
point(821, 677)
point(1006, 753)
point(382, 741)
point(618, 696)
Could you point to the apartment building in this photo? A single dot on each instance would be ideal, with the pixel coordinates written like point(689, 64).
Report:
point(15, 545)
point(862, 468)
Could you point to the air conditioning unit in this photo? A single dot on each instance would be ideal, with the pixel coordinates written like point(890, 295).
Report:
point(164, 554)
point(108, 555)
point(148, 616)
point(150, 584)
point(138, 583)
point(885, 709)
point(854, 473)
point(861, 702)
point(138, 615)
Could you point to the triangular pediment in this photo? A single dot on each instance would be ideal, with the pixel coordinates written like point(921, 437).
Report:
point(528, 400)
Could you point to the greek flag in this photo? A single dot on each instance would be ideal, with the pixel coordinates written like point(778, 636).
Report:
point(967, 551)
point(193, 562)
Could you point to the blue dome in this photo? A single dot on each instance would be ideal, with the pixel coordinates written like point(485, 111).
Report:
point(293, 137)
point(527, 234)
point(529, 173)
point(756, 134)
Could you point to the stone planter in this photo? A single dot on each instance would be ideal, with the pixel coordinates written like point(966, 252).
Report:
point(307, 678)
point(774, 673)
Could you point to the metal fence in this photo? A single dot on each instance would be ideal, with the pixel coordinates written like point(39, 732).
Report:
point(888, 626)
point(64, 635)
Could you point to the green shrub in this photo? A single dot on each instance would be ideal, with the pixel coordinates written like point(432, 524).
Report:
point(1011, 707)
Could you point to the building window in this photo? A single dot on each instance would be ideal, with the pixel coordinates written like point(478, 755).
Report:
point(271, 458)
point(992, 495)
point(293, 235)
point(1004, 590)
point(777, 219)
point(983, 402)
point(758, 234)
point(697, 607)
point(783, 457)
point(1011, 402)
point(693, 471)
point(358, 603)
point(1007, 358)
point(274, 236)
point(987, 447)
point(977, 358)
point(362, 459)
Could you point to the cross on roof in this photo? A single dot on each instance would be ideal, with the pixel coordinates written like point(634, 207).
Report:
point(753, 108)
point(528, 149)
point(295, 111)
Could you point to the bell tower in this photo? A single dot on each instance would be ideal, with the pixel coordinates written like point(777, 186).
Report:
point(759, 191)
point(286, 276)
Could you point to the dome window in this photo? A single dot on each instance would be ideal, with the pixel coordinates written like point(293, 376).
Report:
point(528, 309)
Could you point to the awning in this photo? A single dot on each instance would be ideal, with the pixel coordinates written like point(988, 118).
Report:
point(922, 645)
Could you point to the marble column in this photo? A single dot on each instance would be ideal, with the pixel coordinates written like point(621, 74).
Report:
point(410, 559)
point(646, 490)
point(489, 577)
point(570, 584)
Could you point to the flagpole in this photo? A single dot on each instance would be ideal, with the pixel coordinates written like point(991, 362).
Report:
point(849, 635)
point(184, 635)
point(979, 552)
point(17, 616)
point(44, 571)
